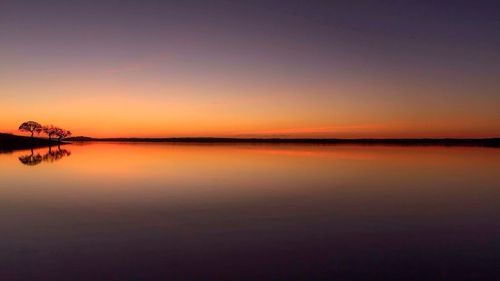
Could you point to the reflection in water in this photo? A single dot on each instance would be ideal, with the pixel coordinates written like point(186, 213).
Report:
point(128, 211)
point(31, 159)
point(51, 156)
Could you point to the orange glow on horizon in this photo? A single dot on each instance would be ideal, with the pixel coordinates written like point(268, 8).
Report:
point(112, 107)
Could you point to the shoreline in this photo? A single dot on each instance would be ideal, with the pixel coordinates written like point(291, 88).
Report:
point(9, 142)
point(483, 142)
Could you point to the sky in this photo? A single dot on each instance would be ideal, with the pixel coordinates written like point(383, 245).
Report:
point(252, 68)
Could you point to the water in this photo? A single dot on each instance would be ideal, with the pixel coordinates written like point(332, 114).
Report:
point(111, 211)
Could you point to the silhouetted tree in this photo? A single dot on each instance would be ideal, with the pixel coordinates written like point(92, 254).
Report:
point(31, 126)
point(62, 133)
point(50, 130)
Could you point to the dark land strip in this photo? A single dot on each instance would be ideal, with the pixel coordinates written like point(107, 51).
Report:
point(484, 142)
point(10, 142)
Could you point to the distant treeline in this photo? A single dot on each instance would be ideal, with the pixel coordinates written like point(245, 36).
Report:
point(485, 142)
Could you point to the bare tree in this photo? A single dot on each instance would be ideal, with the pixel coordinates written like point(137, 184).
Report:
point(62, 133)
point(50, 130)
point(31, 127)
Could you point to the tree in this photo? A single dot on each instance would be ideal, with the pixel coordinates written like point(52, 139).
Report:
point(50, 130)
point(61, 133)
point(31, 127)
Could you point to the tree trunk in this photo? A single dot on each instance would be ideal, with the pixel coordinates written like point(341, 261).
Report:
point(32, 134)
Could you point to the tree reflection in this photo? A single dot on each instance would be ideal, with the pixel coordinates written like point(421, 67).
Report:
point(51, 156)
point(31, 159)
point(55, 155)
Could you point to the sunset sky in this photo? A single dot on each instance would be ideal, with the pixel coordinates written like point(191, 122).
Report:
point(252, 68)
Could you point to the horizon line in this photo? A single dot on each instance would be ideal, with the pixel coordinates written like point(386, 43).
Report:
point(271, 137)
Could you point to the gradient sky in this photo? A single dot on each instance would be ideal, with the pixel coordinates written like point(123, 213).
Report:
point(252, 68)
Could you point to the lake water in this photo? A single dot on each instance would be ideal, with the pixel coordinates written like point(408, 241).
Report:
point(115, 211)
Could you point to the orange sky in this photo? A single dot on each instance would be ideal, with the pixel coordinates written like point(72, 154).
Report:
point(106, 109)
point(129, 103)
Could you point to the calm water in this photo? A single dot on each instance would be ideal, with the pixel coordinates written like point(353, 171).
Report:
point(250, 212)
